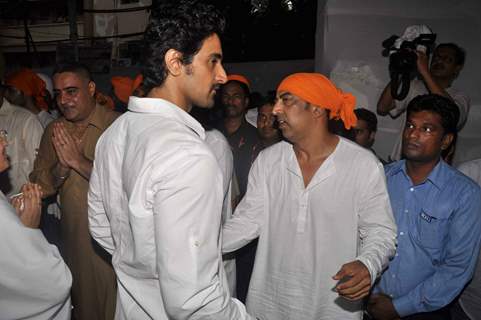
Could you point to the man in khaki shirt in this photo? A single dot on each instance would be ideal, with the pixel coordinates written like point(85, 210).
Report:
point(63, 164)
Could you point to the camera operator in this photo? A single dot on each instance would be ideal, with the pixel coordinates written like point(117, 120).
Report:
point(446, 64)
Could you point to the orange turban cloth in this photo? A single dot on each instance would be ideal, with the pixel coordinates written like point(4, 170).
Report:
point(30, 84)
point(124, 87)
point(320, 91)
point(238, 77)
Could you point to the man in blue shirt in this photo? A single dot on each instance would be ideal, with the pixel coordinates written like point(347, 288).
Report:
point(438, 214)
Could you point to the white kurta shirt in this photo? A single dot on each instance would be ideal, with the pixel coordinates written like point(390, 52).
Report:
point(34, 280)
point(223, 153)
point(155, 203)
point(24, 135)
point(307, 233)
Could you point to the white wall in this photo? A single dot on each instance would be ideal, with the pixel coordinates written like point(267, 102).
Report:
point(348, 48)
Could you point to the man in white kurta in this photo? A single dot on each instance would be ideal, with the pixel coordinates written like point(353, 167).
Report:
point(156, 190)
point(308, 232)
point(34, 280)
point(24, 135)
point(220, 147)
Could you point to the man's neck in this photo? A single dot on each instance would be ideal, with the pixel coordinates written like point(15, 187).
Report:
point(170, 93)
point(270, 141)
point(233, 124)
point(312, 149)
point(420, 171)
point(81, 124)
point(444, 82)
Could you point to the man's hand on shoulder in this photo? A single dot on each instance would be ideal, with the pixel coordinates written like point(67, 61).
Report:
point(354, 280)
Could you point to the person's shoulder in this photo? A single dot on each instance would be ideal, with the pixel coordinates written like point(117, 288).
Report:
point(393, 167)
point(275, 153)
point(456, 179)
point(352, 152)
point(106, 116)
point(214, 137)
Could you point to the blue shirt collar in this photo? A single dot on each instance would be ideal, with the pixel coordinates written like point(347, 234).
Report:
point(439, 176)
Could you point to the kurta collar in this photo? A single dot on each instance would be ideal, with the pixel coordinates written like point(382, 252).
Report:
point(167, 109)
point(327, 169)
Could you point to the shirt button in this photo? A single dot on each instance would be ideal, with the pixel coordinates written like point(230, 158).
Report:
point(401, 233)
point(394, 276)
point(406, 211)
point(397, 254)
point(411, 189)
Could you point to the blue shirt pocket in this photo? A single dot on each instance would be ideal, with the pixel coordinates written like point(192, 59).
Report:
point(431, 229)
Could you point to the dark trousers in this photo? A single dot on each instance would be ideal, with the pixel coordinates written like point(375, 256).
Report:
point(441, 314)
point(244, 263)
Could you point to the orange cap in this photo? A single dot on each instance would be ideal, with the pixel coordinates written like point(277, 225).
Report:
point(30, 84)
point(240, 78)
point(125, 86)
point(320, 91)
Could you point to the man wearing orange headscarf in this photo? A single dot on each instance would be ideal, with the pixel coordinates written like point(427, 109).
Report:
point(124, 87)
point(320, 207)
point(24, 133)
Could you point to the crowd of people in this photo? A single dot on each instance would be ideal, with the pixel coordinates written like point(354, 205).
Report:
point(171, 203)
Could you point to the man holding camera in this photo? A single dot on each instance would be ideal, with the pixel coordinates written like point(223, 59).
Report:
point(446, 64)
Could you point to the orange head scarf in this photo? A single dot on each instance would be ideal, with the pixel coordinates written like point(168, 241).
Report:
point(240, 78)
point(124, 87)
point(30, 84)
point(320, 91)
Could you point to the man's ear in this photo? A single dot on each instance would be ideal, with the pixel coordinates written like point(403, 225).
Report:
point(318, 112)
point(173, 62)
point(372, 136)
point(91, 88)
point(447, 140)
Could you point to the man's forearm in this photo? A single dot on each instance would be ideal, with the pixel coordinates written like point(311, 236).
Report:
point(84, 167)
point(60, 174)
point(433, 87)
point(385, 102)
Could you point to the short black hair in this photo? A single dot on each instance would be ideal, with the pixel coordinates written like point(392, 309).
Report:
point(459, 53)
point(444, 107)
point(182, 26)
point(73, 67)
point(368, 116)
point(269, 98)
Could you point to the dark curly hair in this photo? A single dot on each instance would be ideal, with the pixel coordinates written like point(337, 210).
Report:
point(444, 107)
point(182, 26)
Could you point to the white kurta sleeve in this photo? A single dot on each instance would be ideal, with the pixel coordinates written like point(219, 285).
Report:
point(99, 224)
point(249, 215)
point(377, 227)
point(34, 280)
point(187, 214)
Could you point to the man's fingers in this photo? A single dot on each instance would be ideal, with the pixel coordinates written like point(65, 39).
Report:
point(358, 295)
point(340, 274)
point(353, 286)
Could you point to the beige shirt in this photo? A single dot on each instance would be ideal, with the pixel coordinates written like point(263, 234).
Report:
point(24, 134)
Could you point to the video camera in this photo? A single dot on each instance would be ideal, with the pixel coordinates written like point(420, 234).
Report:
point(402, 56)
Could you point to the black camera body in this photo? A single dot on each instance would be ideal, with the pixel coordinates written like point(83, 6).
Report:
point(402, 61)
